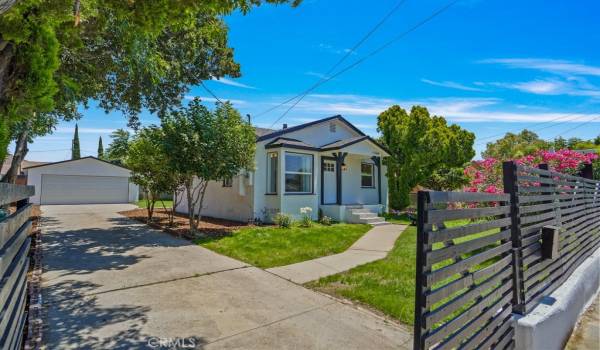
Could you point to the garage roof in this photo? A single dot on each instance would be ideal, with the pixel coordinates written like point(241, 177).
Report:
point(73, 160)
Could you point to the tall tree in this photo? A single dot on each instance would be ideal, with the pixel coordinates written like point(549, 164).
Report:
point(100, 148)
point(118, 147)
point(127, 55)
point(419, 144)
point(75, 148)
point(513, 146)
point(205, 146)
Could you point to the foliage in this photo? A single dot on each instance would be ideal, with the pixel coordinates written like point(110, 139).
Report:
point(269, 246)
point(149, 166)
point(306, 217)
point(283, 220)
point(118, 147)
point(126, 55)
point(75, 148)
point(419, 144)
point(486, 175)
point(205, 146)
point(100, 148)
point(513, 146)
point(325, 220)
point(446, 179)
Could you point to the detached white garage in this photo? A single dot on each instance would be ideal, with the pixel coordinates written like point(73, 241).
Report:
point(87, 180)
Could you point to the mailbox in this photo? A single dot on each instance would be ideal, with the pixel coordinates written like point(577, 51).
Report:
point(550, 243)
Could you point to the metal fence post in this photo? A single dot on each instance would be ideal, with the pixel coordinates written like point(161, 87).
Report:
point(419, 302)
point(509, 176)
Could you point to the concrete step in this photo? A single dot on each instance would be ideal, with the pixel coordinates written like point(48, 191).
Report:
point(372, 220)
point(365, 215)
point(360, 211)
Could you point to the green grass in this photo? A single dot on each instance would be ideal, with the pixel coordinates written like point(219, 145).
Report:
point(401, 219)
point(159, 204)
point(270, 246)
point(388, 285)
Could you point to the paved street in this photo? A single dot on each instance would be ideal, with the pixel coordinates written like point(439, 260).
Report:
point(113, 283)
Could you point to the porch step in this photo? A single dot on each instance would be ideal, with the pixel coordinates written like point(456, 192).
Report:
point(361, 215)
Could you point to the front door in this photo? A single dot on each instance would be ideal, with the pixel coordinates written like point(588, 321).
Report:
point(329, 182)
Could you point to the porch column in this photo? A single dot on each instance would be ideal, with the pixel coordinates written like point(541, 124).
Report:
point(377, 161)
point(339, 160)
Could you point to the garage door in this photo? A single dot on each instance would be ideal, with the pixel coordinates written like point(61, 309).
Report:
point(72, 189)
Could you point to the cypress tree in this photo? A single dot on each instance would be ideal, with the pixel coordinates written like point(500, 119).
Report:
point(100, 148)
point(75, 150)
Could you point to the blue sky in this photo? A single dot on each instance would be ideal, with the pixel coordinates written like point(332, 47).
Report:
point(489, 65)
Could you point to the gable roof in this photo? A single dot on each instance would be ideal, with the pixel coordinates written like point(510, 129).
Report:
point(74, 160)
point(262, 131)
point(350, 141)
point(24, 164)
point(290, 143)
point(306, 125)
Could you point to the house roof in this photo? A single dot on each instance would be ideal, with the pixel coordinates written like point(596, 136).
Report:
point(73, 160)
point(290, 143)
point(262, 131)
point(24, 164)
point(306, 125)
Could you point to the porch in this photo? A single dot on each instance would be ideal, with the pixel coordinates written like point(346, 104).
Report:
point(355, 213)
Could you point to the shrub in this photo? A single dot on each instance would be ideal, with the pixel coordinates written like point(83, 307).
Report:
point(326, 220)
point(283, 220)
point(306, 220)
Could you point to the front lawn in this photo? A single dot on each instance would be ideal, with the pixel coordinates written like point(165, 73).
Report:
point(168, 203)
point(388, 285)
point(270, 246)
point(401, 219)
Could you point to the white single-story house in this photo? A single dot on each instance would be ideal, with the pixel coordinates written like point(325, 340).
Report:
point(87, 180)
point(327, 165)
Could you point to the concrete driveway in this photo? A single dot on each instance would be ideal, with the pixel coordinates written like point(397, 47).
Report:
point(111, 283)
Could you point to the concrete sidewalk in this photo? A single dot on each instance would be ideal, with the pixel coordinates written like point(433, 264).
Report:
point(374, 245)
point(111, 283)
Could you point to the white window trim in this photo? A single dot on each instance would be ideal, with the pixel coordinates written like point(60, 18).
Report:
point(372, 174)
point(269, 172)
point(312, 167)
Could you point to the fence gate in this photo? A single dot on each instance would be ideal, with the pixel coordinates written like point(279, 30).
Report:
point(14, 263)
point(465, 271)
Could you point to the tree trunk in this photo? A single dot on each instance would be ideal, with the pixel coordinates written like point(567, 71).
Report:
point(18, 157)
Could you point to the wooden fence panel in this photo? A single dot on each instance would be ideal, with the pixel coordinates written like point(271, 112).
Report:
point(14, 264)
point(545, 199)
point(464, 271)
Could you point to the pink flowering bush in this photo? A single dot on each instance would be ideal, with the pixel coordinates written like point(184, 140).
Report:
point(486, 175)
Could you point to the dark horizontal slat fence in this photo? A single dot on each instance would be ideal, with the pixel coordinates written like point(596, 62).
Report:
point(464, 271)
point(482, 257)
point(14, 264)
point(548, 199)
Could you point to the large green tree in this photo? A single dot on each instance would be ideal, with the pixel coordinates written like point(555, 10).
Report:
point(118, 147)
point(513, 146)
point(126, 55)
point(205, 146)
point(419, 144)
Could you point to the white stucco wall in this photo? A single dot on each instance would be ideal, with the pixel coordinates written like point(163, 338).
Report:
point(320, 134)
point(232, 203)
point(352, 192)
point(82, 167)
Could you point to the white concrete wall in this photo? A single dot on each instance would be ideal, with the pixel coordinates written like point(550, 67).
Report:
point(231, 203)
point(352, 192)
point(265, 205)
point(84, 166)
point(320, 134)
point(549, 326)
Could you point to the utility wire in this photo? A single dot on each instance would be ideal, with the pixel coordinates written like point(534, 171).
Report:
point(578, 126)
point(373, 53)
point(210, 92)
point(343, 58)
point(481, 140)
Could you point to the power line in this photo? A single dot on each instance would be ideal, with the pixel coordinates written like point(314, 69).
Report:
point(374, 52)
point(481, 140)
point(578, 126)
point(210, 92)
point(341, 60)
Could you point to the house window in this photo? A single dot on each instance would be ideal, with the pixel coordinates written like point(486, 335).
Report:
point(272, 164)
point(298, 172)
point(366, 175)
point(228, 182)
point(329, 167)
